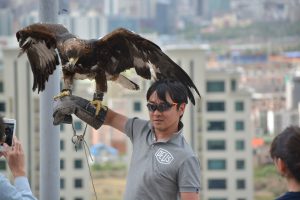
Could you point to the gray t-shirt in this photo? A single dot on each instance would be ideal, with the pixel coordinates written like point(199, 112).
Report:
point(159, 170)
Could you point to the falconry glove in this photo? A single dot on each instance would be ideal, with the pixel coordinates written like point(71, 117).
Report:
point(65, 106)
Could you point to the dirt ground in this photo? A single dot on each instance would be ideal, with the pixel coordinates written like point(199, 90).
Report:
point(109, 188)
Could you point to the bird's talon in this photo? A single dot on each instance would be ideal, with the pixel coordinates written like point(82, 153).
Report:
point(98, 105)
point(62, 94)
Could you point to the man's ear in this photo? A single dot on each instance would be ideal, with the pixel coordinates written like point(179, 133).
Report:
point(182, 108)
point(281, 166)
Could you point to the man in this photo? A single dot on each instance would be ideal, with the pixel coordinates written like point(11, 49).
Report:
point(163, 165)
point(16, 162)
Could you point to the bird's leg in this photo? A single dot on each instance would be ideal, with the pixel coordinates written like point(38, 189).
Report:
point(101, 87)
point(68, 82)
point(97, 101)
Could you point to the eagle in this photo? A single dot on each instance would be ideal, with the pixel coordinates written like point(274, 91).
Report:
point(48, 45)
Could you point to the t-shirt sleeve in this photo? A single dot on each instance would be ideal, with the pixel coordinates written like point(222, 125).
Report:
point(129, 128)
point(189, 175)
point(134, 127)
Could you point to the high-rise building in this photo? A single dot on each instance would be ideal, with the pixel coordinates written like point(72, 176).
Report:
point(6, 22)
point(227, 171)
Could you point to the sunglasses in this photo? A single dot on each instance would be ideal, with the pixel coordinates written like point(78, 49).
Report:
point(160, 107)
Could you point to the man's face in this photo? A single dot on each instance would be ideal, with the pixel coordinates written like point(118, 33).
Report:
point(168, 119)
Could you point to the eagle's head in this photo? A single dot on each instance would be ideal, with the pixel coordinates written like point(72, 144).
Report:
point(73, 50)
point(23, 40)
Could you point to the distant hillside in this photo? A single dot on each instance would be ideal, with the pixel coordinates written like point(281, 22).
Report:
point(259, 30)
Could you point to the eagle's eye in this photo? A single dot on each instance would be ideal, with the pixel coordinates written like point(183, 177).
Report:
point(72, 53)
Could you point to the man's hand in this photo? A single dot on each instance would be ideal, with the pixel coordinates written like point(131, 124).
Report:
point(15, 158)
point(66, 106)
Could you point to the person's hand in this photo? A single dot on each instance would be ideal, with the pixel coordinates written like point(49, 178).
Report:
point(15, 158)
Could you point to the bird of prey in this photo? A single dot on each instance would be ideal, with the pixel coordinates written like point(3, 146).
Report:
point(100, 59)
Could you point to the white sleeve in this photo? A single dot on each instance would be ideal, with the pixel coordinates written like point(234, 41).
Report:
point(21, 190)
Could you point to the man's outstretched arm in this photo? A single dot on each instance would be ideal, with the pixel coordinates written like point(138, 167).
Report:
point(115, 120)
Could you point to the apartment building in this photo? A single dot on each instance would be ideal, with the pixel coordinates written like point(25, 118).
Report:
point(227, 169)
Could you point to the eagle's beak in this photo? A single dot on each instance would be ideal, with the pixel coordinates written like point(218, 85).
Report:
point(73, 61)
point(25, 43)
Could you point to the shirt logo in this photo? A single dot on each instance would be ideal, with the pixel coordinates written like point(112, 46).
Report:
point(163, 156)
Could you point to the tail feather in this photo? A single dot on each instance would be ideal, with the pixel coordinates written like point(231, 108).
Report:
point(126, 83)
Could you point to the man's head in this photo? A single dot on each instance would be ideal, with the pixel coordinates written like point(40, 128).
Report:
point(175, 89)
point(166, 104)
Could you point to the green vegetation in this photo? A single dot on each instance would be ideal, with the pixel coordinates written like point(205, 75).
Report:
point(109, 166)
point(265, 171)
point(268, 183)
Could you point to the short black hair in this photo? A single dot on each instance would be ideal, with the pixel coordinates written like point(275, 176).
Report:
point(286, 146)
point(175, 89)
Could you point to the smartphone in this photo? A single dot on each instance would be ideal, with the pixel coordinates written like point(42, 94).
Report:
point(9, 130)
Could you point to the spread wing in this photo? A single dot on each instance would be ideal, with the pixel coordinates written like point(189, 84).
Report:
point(39, 42)
point(123, 49)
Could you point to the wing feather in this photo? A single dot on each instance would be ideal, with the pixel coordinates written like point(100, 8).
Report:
point(43, 62)
point(130, 50)
point(39, 42)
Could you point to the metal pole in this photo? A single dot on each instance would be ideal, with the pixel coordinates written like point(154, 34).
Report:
point(49, 134)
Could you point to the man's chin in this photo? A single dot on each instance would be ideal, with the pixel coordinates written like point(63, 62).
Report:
point(157, 123)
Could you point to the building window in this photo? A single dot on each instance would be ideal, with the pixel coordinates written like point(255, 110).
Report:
point(240, 184)
point(1, 87)
point(240, 145)
point(2, 107)
point(62, 183)
point(233, 85)
point(215, 86)
point(216, 164)
point(78, 198)
point(2, 165)
point(240, 164)
point(137, 106)
point(215, 106)
point(78, 125)
point(78, 164)
point(216, 145)
point(62, 164)
point(239, 125)
point(239, 106)
point(217, 184)
point(62, 145)
point(78, 183)
point(215, 125)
